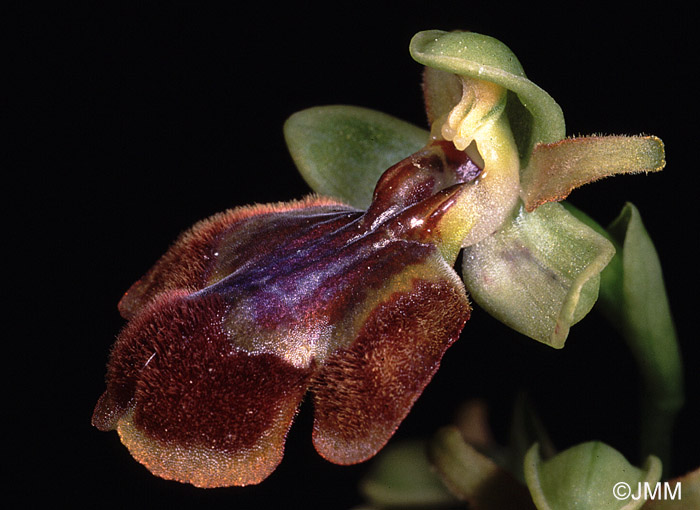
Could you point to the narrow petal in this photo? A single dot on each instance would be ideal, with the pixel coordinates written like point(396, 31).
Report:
point(555, 169)
point(365, 390)
point(540, 274)
point(192, 407)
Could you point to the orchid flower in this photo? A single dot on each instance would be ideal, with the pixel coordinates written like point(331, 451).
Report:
point(350, 295)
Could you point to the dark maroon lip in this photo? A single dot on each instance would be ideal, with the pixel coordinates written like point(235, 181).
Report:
point(226, 375)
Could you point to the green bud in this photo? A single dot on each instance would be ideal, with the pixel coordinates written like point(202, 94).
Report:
point(588, 476)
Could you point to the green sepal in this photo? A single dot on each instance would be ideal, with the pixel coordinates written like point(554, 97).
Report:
point(539, 274)
point(534, 116)
point(341, 151)
point(587, 476)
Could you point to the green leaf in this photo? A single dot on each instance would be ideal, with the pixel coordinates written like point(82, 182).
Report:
point(633, 295)
point(473, 477)
point(402, 476)
point(556, 169)
point(342, 150)
point(645, 310)
point(633, 298)
point(588, 476)
point(539, 274)
point(534, 116)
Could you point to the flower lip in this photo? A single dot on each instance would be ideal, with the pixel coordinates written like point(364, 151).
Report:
point(287, 296)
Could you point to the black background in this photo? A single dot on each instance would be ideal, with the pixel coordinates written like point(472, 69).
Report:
point(133, 123)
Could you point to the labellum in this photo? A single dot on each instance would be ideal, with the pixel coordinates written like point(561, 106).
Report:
point(252, 308)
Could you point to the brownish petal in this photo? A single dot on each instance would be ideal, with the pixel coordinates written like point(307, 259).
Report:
point(191, 406)
point(555, 169)
point(364, 391)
